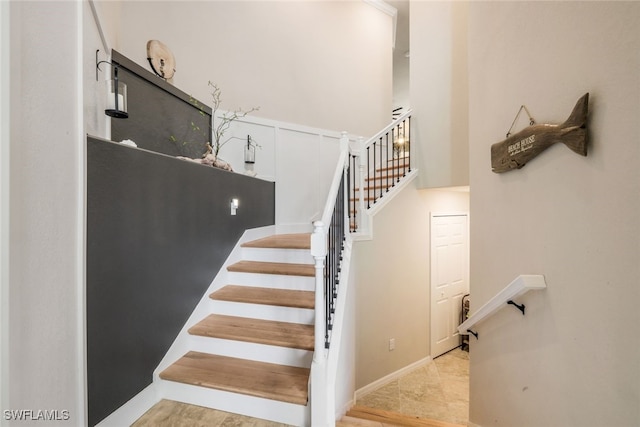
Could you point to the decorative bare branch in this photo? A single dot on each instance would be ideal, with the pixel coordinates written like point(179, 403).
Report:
point(219, 124)
point(224, 120)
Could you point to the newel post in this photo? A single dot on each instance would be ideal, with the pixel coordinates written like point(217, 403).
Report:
point(319, 397)
point(319, 252)
point(344, 143)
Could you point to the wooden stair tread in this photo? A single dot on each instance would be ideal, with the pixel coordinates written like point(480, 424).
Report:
point(261, 267)
point(269, 332)
point(380, 177)
point(399, 160)
point(394, 418)
point(259, 379)
point(377, 187)
point(395, 165)
point(347, 421)
point(282, 241)
point(368, 198)
point(265, 296)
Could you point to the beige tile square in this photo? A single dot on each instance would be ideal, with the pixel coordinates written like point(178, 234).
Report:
point(456, 391)
point(234, 420)
point(438, 390)
point(459, 412)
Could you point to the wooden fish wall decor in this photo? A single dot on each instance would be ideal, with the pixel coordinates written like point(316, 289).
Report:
point(515, 151)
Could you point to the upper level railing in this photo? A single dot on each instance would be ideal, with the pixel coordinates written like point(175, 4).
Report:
point(521, 285)
point(376, 166)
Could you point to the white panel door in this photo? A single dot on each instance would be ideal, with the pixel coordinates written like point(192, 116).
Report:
point(449, 278)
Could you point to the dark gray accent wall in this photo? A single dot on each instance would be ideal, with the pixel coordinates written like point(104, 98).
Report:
point(162, 118)
point(158, 231)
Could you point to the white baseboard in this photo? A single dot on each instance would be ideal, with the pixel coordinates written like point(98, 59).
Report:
point(361, 392)
point(341, 412)
point(128, 413)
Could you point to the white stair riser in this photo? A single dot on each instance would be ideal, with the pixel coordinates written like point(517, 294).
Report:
point(281, 412)
point(252, 351)
point(266, 312)
point(299, 283)
point(294, 256)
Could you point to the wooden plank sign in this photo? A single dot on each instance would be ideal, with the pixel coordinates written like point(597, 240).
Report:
point(515, 151)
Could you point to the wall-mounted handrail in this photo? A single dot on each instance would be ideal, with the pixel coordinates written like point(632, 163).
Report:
point(522, 284)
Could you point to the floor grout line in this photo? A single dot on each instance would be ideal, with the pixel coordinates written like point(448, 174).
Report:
point(438, 390)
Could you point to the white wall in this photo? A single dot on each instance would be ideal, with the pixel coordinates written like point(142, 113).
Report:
point(96, 122)
point(401, 87)
point(392, 282)
point(5, 140)
point(321, 64)
point(573, 359)
point(438, 91)
point(301, 160)
point(45, 290)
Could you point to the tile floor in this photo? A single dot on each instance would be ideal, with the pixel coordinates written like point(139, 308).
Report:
point(168, 413)
point(438, 390)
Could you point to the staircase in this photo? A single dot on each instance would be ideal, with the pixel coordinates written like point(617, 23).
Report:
point(269, 340)
point(252, 353)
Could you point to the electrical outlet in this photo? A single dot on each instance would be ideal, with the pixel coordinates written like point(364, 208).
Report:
point(392, 344)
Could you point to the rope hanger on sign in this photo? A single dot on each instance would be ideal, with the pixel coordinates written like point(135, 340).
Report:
point(531, 121)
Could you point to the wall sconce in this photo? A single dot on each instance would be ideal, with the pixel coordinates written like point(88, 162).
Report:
point(399, 147)
point(116, 93)
point(234, 206)
point(249, 157)
point(400, 143)
point(249, 152)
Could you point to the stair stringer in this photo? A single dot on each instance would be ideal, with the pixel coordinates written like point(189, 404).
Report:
point(226, 401)
point(335, 351)
point(365, 231)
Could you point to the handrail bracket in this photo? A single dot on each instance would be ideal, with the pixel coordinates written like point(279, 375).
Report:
point(520, 307)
